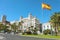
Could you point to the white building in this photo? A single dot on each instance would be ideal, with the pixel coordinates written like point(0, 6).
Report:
point(46, 26)
point(29, 21)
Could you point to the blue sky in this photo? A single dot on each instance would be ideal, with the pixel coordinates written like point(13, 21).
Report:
point(13, 9)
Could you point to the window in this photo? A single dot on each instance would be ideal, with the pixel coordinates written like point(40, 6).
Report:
point(47, 26)
point(44, 26)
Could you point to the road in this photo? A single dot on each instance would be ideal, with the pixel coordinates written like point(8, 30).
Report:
point(16, 37)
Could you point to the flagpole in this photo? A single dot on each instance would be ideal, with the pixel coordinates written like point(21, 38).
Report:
point(42, 10)
point(46, 6)
point(42, 16)
point(51, 28)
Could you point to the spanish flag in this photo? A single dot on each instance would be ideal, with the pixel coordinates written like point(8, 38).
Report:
point(46, 6)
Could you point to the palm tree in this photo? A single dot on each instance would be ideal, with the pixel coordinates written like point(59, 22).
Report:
point(20, 24)
point(55, 20)
point(14, 27)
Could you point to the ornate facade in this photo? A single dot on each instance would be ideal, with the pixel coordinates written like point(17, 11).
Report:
point(29, 21)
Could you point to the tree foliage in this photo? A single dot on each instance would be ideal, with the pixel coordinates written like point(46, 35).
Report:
point(55, 21)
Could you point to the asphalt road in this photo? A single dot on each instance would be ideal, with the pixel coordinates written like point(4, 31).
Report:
point(16, 37)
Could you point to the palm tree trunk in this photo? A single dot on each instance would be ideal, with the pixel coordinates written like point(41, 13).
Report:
point(56, 29)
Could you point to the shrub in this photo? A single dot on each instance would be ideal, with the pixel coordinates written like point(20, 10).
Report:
point(26, 32)
point(47, 31)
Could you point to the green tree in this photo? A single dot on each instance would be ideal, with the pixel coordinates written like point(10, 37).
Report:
point(55, 21)
point(1, 28)
point(14, 27)
point(20, 24)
